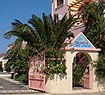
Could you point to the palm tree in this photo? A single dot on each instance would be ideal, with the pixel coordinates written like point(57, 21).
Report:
point(43, 34)
point(46, 36)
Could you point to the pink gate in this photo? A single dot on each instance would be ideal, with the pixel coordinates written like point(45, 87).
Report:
point(36, 75)
point(88, 77)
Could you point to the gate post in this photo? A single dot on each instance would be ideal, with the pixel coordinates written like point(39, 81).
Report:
point(61, 83)
point(69, 68)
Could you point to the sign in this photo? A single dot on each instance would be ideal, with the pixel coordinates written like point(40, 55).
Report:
point(81, 42)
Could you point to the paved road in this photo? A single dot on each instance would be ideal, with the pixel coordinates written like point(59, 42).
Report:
point(8, 85)
point(100, 93)
point(11, 87)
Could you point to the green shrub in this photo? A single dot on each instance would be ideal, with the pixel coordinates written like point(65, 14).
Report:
point(100, 70)
point(55, 67)
point(22, 78)
point(77, 74)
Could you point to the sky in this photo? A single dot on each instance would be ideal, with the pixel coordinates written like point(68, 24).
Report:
point(21, 10)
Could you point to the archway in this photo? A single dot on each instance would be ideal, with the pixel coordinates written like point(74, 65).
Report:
point(82, 70)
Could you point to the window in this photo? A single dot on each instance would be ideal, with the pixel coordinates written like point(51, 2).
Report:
point(60, 2)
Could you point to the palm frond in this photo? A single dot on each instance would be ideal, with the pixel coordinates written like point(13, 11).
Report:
point(37, 23)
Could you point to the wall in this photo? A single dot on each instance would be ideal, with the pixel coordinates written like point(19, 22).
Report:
point(60, 9)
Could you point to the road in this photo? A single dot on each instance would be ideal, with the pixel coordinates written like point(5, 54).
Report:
point(10, 87)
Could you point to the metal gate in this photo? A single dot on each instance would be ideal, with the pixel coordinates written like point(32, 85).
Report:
point(36, 76)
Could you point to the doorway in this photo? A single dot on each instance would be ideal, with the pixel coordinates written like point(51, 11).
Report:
point(82, 71)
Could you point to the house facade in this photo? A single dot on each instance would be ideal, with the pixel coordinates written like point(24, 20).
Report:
point(62, 7)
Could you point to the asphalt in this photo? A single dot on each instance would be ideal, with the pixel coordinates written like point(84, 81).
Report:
point(10, 87)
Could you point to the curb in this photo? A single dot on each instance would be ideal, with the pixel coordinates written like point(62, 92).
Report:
point(19, 92)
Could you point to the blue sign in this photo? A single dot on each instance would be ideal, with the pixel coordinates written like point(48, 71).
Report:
point(81, 42)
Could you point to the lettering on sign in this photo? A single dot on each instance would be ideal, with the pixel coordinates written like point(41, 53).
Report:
point(81, 42)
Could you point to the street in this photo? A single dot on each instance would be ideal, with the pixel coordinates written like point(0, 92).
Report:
point(10, 87)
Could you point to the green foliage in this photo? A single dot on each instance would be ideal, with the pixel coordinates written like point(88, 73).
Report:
point(93, 15)
point(22, 77)
point(77, 74)
point(18, 59)
point(42, 35)
point(100, 69)
point(55, 67)
point(54, 54)
point(54, 62)
point(94, 21)
point(80, 64)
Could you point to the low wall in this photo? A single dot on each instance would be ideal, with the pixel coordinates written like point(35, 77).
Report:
point(58, 84)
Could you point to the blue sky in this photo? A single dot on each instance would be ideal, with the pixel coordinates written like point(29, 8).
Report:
point(21, 10)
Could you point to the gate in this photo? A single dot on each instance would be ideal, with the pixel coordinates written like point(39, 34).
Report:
point(88, 77)
point(36, 76)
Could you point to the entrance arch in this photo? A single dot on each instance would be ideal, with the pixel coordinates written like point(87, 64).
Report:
point(81, 44)
point(82, 69)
